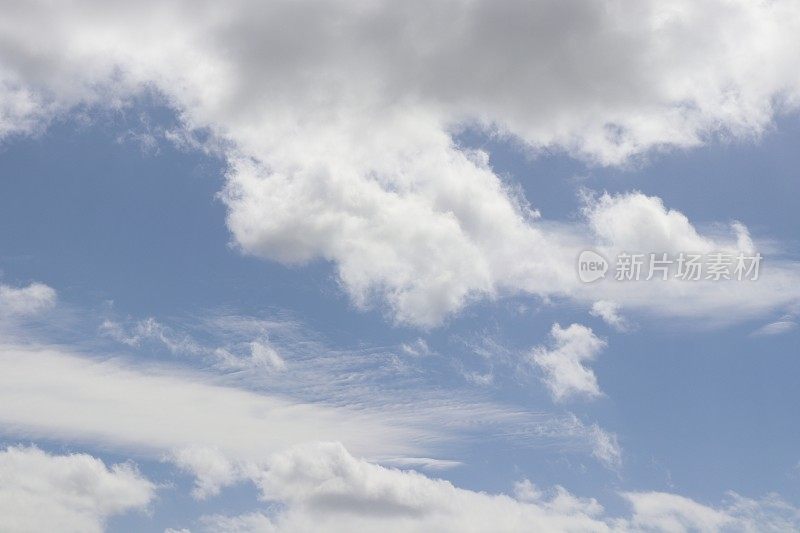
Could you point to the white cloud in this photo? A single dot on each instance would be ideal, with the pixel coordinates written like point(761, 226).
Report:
point(325, 488)
point(47, 393)
point(418, 348)
point(322, 486)
point(639, 223)
point(561, 500)
point(424, 463)
point(563, 364)
point(339, 133)
point(606, 447)
point(163, 411)
point(70, 493)
point(775, 328)
point(659, 511)
point(482, 379)
point(784, 324)
point(211, 469)
point(260, 355)
point(151, 330)
point(26, 301)
point(636, 223)
point(405, 389)
point(609, 313)
point(606, 80)
point(664, 512)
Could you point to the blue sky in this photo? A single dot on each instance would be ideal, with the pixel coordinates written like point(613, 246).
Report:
point(210, 279)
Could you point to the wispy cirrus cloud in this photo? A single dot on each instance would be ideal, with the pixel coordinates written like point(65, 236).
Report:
point(609, 312)
point(52, 394)
point(363, 398)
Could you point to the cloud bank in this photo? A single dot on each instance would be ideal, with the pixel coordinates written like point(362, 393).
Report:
point(321, 486)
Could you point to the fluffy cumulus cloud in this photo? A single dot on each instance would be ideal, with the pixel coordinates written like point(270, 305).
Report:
point(635, 223)
point(337, 120)
point(659, 511)
point(562, 364)
point(211, 469)
point(70, 493)
point(322, 487)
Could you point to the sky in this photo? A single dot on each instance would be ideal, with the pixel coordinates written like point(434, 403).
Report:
point(286, 267)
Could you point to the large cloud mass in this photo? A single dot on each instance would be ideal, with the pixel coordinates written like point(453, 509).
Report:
point(337, 118)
